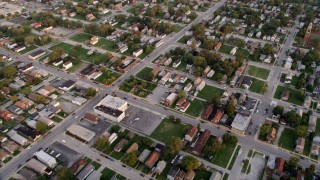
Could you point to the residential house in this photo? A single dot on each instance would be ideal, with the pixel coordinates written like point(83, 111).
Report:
point(285, 95)
point(233, 51)
point(201, 142)
point(91, 118)
point(190, 175)
point(137, 52)
point(173, 172)
point(132, 148)
point(3, 155)
point(201, 86)
point(169, 100)
point(312, 123)
point(206, 113)
point(315, 145)
point(307, 102)
point(29, 133)
point(188, 87)
point(36, 54)
point(120, 145)
point(180, 175)
point(218, 46)
point(241, 122)
point(160, 167)
point(144, 155)
point(216, 118)
point(300, 145)
point(155, 71)
point(191, 133)
point(27, 101)
point(67, 65)
point(94, 40)
point(153, 158)
point(216, 175)
point(246, 83)
point(279, 165)
point(6, 115)
point(271, 135)
point(10, 146)
point(21, 105)
point(90, 17)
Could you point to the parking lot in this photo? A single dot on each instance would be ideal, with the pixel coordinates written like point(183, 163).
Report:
point(67, 156)
point(67, 106)
point(61, 31)
point(157, 94)
point(141, 120)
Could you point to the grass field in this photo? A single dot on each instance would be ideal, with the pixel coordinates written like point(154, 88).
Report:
point(258, 72)
point(318, 126)
point(168, 129)
point(28, 49)
point(225, 49)
point(257, 86)
point(143, 73)
point(234, 157)
point(107, 174)
point(244, 52)
point(288, 139)
point(222, 158)
point(108, 77)
point(184, 39)
point(202, 174)
point(294, 96)
point(307, 147)
point(195, 108)
point(209, 91)
point(82, 53)
point(102, 43)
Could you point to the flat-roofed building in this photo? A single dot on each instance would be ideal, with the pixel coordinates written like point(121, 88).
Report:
point(46, 158)
point(37, 166)
point(85, 172)
point(112, 108)
point(81, 132)
point(241, 122)
point(36, 54)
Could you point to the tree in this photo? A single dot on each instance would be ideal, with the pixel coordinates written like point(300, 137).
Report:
point(267, 49)
point(108, 55)
point(131, 159)
point(309, 172)
point(293, 162)
point(293, 118)
point(41, 127)
point(212, 147)
point(228, 138)
point(189, 163)
point(115, 128)
point(181, 94)
point(65, 174)
point(8, 71)
point(215, 100)
point(226, 29)
point(301, 130)
point(101, 143)
point(91, 92)
point(264, 130)
point(194, 45)
point(30, 39)
point(278, 110)
point(174, 145)
point(26, 90)
point(230, 109)
point(40, 99)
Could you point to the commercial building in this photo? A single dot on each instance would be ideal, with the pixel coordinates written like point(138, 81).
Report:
point(241, 122)
point(81, 132)
point(46, 158)
point(91, 118)
point(112, 108)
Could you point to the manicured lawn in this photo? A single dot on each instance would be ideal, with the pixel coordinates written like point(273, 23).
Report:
point(258, 72)
point(195, 108)
point(234, 157)
point(225, 49)
point(168, 129)
point(30, 48)
point(209, 91)
point(108, 77)
point(257, 86)
point(117, 155)
point(56, 119)
point(144, 72)
point(294, 96)
point(184, 39)
point(222, 158)
point(107, 174)
point(288, 139)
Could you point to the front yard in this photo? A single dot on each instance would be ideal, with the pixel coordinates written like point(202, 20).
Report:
point(288, 139)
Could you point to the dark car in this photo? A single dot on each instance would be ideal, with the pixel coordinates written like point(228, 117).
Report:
point(142, 175)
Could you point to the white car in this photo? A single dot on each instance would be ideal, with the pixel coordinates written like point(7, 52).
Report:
point(64, 141)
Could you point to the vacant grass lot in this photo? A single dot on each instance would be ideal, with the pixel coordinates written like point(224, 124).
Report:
point(108, 77)
point(288, 139)
point(184, 39)
point(107, 174)
point(168, 129)
point(257, 86)
point(195, 108)
point(102, 43)
point(258, 72)
point(223, 157)
point(28, 49)
point(294, 96)
point(225, 49)
point(209, 91)
point(143, 73)
point(318, 126)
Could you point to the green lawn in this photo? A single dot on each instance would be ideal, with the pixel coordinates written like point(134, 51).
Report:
point(108, 77)
point(82, 53)
point(222, 158)
point(293, 97)
point(225, 177)
point(244, 52)
point(234, 157)
point(177, 28)
point(195, 108)
point(288, 139)
point(96, 165)
point(258, 72)
point(107, 174)
point(209, 91)
point(318, 126)
point(56, 119)
point(144, 72)
point(168, 129)
point(257, 86)
point(28, 49)
point(307, 147)
point(184, 39)
point(102, 43)
point(225, 49)
point(202, 174)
